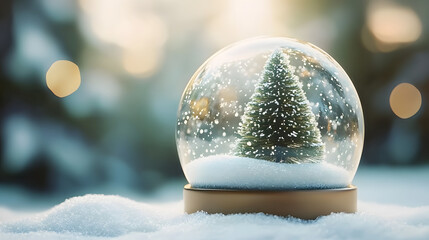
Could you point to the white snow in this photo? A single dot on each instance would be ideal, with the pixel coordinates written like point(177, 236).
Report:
point(224, 171)
point(93, 215)
point(113, 217)
point(395, 206)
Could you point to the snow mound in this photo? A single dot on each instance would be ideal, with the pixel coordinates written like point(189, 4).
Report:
point(95, 216)
point(224, 171)
point(384, 216)
point(92, 215)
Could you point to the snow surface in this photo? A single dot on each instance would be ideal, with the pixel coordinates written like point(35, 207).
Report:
point(393, 204)
point(95, 216)
point(224, 171)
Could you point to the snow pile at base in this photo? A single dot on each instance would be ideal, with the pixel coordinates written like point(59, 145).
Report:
point(223, 171)
point(95, 216)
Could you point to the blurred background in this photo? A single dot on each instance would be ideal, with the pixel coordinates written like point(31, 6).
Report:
point(115, 134)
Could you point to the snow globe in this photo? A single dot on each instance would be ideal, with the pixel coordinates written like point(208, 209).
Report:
point(270, 125)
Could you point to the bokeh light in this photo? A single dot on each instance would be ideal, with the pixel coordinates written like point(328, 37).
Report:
point(242, 19)
point(141, 63)
point(405, 100)
point(138, 32)
point(63, 78)
point(392, 25)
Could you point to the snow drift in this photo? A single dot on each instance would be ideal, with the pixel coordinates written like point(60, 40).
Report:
point(113, 217)
point(396, 206)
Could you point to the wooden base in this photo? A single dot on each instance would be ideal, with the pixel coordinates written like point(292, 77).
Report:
point(304, 204)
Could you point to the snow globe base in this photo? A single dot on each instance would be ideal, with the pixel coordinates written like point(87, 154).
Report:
point(304, 204)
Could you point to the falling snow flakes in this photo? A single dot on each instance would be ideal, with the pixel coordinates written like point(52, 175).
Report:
point(223, 120)
point(293, 134)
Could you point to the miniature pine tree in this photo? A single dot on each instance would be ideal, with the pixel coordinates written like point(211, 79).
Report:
point(278, 124)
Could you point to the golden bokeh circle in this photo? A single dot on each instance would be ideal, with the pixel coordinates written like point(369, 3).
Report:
point(405, 100)
point(63, 78)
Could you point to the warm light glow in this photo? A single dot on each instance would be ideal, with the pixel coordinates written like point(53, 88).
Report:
point(134, 27)
point(241, 19)
point(393, 24)
point(63, 78)
point(228, 102)
point(200, 108)
point(142, 63)
point(405, 100)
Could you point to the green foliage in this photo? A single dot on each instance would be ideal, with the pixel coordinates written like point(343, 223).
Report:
point(278, 124)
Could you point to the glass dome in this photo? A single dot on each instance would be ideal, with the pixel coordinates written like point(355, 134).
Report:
point(270, 113)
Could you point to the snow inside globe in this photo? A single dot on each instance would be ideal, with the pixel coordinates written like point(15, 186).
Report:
point(270, 113)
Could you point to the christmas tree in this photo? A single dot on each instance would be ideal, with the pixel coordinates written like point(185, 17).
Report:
point(278, 124)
